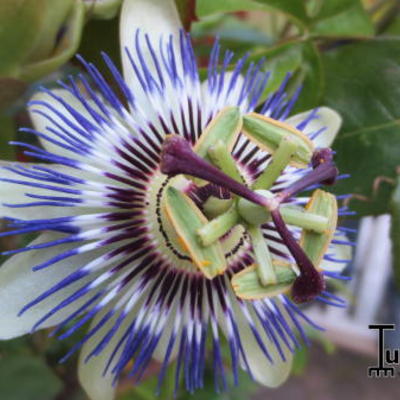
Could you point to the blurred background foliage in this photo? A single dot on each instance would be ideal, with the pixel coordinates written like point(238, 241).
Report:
point(344, 54)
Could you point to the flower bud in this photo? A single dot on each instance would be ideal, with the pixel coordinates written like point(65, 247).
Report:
point(102, 9)
point(37, 37)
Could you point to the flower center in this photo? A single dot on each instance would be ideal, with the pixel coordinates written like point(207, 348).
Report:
point(234, 244)
point(249, 208)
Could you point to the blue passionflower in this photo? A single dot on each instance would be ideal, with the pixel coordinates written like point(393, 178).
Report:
point(173, 212)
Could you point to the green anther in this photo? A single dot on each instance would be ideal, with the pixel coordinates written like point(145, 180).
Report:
point(225, 127)
point(306, 220)
point(315, 244)
point(268, 133)
point(253, 213)
point(265, 268)
point(257, 215)
point(222, 158)
point(186, 219)
point(281, 158)
point(247, 285)
point(215, 206)
point(218, 227)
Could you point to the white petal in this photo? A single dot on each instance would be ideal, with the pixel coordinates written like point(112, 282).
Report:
point(326, 118)
point(19, 285)
point(153, 17)
point(161, 348)
point(340, 252)
point(97, 386)
point(266, 373)
point(13, 193)
point(41, 123)
point(271, 375)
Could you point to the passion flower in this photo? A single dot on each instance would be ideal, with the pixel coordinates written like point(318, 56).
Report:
point(172, 211)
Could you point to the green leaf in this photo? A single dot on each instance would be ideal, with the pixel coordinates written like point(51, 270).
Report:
point(303, 61)
point(300, 360)
point(394, 27)
point(205, 8)
point(362, 84)
point(17, 346)
point(322, 339)
point(341, 18)
point(28, 378)
point(293, 9)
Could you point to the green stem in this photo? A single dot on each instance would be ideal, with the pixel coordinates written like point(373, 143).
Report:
point(265, 269)
point(306, 220)
point(281, 159)
point(218, 227)
point(221, 157)
point(252, 213)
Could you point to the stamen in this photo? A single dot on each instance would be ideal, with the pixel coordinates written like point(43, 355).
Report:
point(253, 213)
point(268, 133)
point(310, 283)
point(187, 219)
point(247, 284)
point(287, 147)
point(225, 126)
point(321, 156)
point(265, 268)
point(306, 220)
point(218, 227)
point(177, 157)
point(222, 158)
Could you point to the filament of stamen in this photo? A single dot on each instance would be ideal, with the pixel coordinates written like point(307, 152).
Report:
point(218, 227)
point(265, 268)
point(280, 160)
point(221, 157)
point(177, 157)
